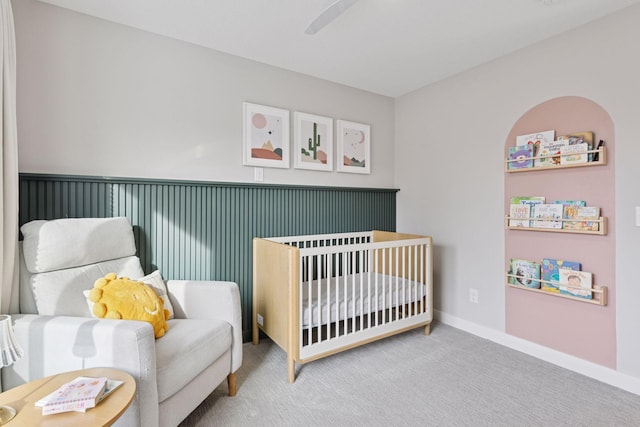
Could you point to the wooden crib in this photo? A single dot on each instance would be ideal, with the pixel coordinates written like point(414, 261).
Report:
point(318, 295)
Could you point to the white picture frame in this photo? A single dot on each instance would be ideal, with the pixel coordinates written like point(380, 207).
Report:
point(313, 142)
point(265, 136)
point(353, 147)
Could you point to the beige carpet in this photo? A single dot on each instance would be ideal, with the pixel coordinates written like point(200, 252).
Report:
point(450, 378)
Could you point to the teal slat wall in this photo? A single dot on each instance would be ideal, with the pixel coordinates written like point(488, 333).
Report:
point(204, 230)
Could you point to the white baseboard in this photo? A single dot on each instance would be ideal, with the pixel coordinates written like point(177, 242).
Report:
point(589, 369)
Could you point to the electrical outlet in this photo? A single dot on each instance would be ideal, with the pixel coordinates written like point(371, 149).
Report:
point(473, 295)
point(260, 320)
point(258, 174)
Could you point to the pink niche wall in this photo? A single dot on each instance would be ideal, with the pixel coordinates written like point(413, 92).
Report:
point(584, 330)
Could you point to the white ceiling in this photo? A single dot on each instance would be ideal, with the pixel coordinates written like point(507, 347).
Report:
point(389, 47)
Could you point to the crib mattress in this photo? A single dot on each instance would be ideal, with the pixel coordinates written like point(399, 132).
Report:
point(345, 297)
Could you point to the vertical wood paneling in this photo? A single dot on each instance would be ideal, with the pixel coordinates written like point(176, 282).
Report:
point(205, 231)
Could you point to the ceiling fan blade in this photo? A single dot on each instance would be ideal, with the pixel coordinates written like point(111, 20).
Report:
point(329, 14)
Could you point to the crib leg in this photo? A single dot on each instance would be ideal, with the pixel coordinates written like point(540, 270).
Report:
point(291, 369)
point(427, 329)
point(256, 334)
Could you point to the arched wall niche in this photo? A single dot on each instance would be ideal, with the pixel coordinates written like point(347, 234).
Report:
point(584, 330)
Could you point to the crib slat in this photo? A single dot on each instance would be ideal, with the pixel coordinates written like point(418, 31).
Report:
point(384, 287)
point(329, 276)
point(397, 279)
point(353, 290)
point(319, 298)
point(310, 299)
point(416, 278)
point(423, 278)
point(344, 293)
point(369, 259)
point(403, 306)
point(377, 251)
point(359, 303)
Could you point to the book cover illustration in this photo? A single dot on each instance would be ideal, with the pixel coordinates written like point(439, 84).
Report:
point(579, 138)
point(571, 202)
point(570, 211)
point(547, 215)
point(550, 272)
point(586, 218)
point(528, 273)
point(110, 386)
point(79, 394)
point(521, 156)
point(519, 211)
point(535, 139)
point(574, 154)
point(575, 283)
point(553, 149)
point(528, 200)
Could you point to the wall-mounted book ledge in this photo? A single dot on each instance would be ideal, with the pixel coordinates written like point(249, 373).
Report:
point(599, 293)
point(599, 156)
point(573, 225)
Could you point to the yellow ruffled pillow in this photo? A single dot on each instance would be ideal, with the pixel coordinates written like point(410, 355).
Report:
point(122, 298)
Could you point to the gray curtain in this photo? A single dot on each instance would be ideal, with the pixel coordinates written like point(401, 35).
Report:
point(8, 156)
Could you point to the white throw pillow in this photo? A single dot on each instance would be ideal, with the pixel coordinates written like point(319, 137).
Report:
point(155, 281)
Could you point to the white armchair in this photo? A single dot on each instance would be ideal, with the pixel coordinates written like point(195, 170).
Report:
point(52, 322)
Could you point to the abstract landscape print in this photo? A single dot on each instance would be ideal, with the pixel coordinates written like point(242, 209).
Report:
point(313, 137)
point(354, 147)
point(265, 136)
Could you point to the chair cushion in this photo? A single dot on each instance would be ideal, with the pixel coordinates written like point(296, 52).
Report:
point(59, 293)
point(188, 347)
point(73, 242)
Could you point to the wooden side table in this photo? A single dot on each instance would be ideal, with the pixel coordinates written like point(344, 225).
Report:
point(24, 397)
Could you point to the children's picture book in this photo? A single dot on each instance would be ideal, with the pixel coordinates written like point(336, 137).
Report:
point(547, 215)
point(78, 395)
point(108, 389)
point(535, 139)
point(527, 200)
point(574, 154)
point(580, 138)
point(549, 152)
point(575, 283)
point(586, 218)
point(515, 212)
point(519, 211)
point(570, 210)
point(550, 272)
point(571, 202)
point(527, 272)
point(521, 157)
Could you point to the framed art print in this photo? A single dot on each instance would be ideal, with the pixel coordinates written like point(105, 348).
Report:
point(313, 142)
point(265, 136)
point(354, 147)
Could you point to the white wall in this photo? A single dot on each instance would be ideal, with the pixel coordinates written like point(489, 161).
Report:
point(98, 98)
point(450, 140)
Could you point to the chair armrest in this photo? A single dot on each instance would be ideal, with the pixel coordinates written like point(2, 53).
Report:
point(55, 344)
point(202, 299)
